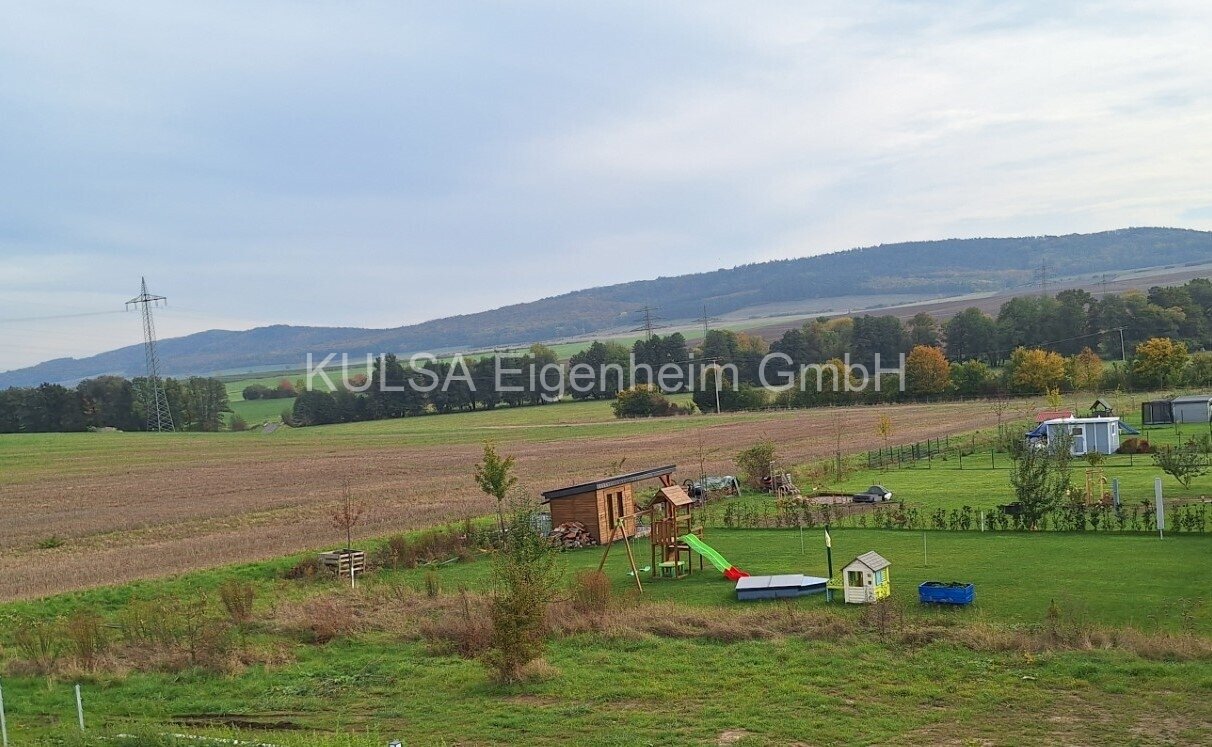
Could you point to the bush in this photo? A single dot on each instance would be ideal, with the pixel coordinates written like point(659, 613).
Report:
point(466, 633)
point(643, 401)
point(433, 585)
point(526, 574)
point(591, 592)
point(307, 568)
point(237, 424)
point(38, 643)
point(237, 598)
point(754, 463)
point(432, 545)
point(84, 637)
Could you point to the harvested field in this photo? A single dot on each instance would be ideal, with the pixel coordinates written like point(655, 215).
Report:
point(129, 506)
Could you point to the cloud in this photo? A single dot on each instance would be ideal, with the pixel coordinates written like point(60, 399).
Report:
point(388, 163)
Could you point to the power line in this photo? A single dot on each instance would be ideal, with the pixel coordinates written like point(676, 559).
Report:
point(1054, 342)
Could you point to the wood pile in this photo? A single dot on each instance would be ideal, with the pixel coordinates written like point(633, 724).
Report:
point(571, 535)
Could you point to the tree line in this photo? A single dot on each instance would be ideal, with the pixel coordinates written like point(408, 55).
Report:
point(196, 404)
point(394, 389)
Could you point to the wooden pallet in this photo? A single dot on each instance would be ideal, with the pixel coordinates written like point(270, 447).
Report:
point(343, 561)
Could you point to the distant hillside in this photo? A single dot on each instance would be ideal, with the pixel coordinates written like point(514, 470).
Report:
point(922, 268)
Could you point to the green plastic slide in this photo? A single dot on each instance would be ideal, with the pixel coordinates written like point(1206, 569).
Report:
point(702, 548)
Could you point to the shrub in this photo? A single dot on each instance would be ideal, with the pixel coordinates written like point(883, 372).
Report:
point(591, 592)
point(433, 585)
point(329, 617)
point(754, 463)
point(237, 599)
point(466, 633)
point(237, 423)
point(307, 568)
point(526, 574)
point(84, 637)
point(38, 643)
point(50, 543)
point(643, 401)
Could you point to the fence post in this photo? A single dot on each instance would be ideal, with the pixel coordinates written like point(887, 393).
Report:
point(3, 723)
point(79, 707)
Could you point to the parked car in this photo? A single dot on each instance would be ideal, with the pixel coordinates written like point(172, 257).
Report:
point(873, 494)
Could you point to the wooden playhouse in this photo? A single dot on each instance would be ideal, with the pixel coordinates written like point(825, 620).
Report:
point(601, 505)
point(672, 520)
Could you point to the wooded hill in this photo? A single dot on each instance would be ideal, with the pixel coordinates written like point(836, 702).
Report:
point(922, 269)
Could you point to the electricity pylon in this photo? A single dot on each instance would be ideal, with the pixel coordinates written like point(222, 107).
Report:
point(159, 416)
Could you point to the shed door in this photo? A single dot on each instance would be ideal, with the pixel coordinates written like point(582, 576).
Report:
point(1079, 439)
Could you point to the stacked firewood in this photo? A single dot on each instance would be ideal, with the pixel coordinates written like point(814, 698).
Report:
point(571, 535)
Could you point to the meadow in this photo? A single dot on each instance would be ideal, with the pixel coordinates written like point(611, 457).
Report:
point(684, 663)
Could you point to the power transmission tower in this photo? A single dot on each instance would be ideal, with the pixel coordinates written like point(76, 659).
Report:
point(159, 416)
point(646, 327)
point(1043, 278)
point(706, 320)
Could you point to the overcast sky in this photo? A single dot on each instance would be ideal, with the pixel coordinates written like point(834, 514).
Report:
point(375, 164)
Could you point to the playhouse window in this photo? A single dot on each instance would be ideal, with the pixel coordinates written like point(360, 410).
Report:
point(879, 577)
point(854, 578)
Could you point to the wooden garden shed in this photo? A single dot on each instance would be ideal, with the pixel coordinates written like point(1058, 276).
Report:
point(866, 579)
point(600, 504)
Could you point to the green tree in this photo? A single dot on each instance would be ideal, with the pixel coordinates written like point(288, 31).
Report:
point(972, 378)
point(971, 334)
point(495, 477)
point(526, 578)
point(1183, 463)
point(1039, 475)
point(924, 330)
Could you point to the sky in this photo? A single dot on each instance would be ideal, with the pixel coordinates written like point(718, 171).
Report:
point(377, 164)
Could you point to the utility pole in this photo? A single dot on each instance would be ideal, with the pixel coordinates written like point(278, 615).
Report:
point(1123, 351)
point(155, 402)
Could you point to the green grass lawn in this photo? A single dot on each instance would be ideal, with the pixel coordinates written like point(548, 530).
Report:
point(863, 688)
point(982, 479)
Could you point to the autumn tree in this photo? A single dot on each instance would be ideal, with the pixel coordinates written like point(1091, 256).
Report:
point(927, 371)
point(1159, 361)
point(1032, 370)
point(1086, 370)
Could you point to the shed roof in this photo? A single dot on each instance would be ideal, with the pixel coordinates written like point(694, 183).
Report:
point(872, 560)
point(675, 495)
point(1192, 398)
point(1042, 429)
point(608, 482)
point(1045, 415)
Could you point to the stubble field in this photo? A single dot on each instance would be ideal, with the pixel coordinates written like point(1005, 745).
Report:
point(122, 507)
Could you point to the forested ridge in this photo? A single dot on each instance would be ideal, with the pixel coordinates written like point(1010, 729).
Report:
point(929, 268)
